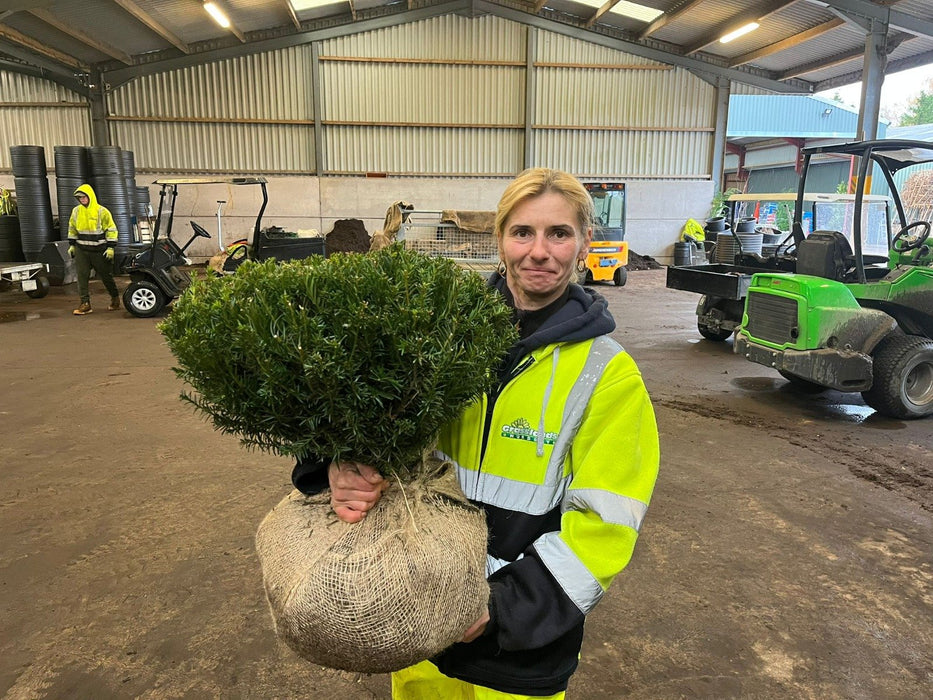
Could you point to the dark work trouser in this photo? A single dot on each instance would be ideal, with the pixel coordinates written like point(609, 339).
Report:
point(84, 261)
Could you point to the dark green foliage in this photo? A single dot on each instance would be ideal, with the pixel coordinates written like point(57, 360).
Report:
point(352, 357)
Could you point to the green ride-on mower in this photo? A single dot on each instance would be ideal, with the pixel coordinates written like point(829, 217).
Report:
point(849, 320)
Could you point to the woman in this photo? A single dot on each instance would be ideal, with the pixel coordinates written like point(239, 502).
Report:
point(562, 457)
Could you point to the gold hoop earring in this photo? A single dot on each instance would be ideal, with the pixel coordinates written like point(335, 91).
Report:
point(500, 268)
point(581, 265)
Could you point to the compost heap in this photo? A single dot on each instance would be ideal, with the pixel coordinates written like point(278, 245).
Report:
point(355, 358)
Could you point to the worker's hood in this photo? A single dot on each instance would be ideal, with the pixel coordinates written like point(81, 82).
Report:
point(87, 218)
point(91, 196)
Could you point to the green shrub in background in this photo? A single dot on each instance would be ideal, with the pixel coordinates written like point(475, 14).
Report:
point(351, 357)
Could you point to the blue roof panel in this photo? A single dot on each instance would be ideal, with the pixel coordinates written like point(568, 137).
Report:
point(791, 116)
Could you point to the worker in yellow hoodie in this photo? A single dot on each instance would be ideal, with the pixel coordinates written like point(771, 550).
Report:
point(92, 235)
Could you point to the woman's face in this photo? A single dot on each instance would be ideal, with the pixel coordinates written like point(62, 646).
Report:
point(540, 245)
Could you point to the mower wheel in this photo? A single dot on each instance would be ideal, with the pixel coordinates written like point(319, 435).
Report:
point(902, 382)
point(143, 299)
point(804, 386)
point(620, 276)
point(42, 287)
point(717, 335)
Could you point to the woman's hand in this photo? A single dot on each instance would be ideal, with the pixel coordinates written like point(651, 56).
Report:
point(477, 628)
point(354, 489)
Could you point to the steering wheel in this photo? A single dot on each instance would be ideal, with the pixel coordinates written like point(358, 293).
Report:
point(903, 242)
point(199, 230)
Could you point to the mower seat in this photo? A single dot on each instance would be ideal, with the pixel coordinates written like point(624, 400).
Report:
point(825, 254)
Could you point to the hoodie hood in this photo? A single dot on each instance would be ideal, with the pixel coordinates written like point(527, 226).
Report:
point(584, 316)
point(91, 196)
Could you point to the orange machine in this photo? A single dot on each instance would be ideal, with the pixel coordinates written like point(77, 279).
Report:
point(608, 251)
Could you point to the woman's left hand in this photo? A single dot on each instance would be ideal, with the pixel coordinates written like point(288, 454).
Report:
point(477, 628)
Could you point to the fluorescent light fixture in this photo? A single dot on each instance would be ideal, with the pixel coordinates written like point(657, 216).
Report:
point(741, 31)
point(626, 9)
point(213, 9)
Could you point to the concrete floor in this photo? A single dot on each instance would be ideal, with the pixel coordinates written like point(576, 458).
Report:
point(788, 551)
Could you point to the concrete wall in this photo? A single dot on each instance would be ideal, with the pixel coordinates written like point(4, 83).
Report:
point(655, 210)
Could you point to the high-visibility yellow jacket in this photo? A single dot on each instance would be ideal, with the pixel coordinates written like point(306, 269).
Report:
point(91, 227)
point(563, 459)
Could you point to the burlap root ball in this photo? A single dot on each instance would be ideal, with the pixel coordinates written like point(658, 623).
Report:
point(379, 595)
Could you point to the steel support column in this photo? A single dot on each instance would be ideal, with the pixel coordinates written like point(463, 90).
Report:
point(97, 99)
point(316, 107)
point(718, 155)
point(530, 93)
point(876, 58)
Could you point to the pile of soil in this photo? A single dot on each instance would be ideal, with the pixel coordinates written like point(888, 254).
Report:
point(348, 236)
point(642, 262)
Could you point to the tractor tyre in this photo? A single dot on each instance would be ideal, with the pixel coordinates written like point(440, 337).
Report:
point(902, 381)
point(143, 299)
point(620, 277)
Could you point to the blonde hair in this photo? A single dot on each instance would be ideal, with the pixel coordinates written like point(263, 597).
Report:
point(534, 182)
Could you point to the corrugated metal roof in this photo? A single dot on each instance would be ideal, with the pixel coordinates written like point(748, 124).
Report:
point(921, 132)
point(162, 35)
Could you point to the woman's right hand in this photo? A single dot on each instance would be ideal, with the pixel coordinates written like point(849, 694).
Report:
point(354, 489)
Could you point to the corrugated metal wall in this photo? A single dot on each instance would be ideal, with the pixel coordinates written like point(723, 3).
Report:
point(36, 112)
point(249, 114)
point(605, 112)
point(444, 96)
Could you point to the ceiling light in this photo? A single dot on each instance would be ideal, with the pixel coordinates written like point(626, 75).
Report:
point(750, 27)
point(213, 9)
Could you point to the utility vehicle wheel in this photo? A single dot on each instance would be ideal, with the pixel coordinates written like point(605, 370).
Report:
point(42, 287)
point(620, 277)
point(802, 385)
point(716, 334)
point(587, 276)
point(902, 382)
point(143, 299)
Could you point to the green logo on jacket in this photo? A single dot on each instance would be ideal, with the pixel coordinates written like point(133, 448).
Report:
point(520, 429)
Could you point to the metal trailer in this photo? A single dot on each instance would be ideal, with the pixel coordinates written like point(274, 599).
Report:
point(32, 277)
point(423, 230)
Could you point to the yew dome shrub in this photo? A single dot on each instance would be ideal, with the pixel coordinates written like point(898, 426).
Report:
point(357, 357)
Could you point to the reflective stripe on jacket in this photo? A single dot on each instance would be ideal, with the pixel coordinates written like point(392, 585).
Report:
point(91, 227)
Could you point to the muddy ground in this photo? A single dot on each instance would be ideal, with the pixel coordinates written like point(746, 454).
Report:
point(787, 553)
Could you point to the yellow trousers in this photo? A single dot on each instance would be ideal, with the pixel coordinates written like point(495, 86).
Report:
point(424, 682)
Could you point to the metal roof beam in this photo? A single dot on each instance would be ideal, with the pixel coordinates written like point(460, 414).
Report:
point(291, 14)
point(896, 66)
point(608, 5)
point(668, 17)
point(788, 43)
point(74, 33)
point(60, 59)
point(754, 15)
point(40, 67)
point(892, 43)
point(904, 21)
point(154, 25)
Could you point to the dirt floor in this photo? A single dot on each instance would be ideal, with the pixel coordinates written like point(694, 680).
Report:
point(788, 551)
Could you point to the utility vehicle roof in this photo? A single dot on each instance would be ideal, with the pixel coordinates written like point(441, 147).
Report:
point(808, 197)
point(212, 181)
point(896, 154)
